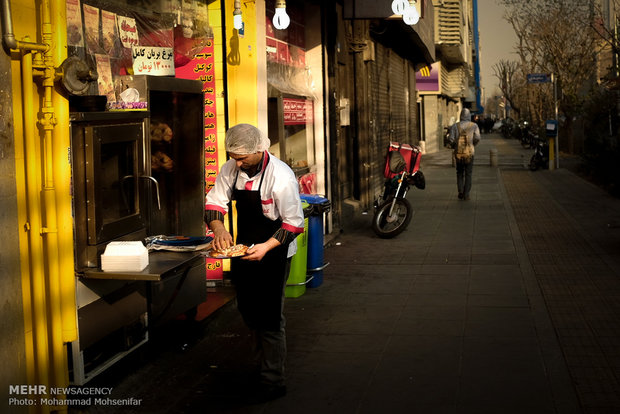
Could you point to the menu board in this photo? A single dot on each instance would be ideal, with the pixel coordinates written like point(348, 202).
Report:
point(75, 33)
point(202, 67)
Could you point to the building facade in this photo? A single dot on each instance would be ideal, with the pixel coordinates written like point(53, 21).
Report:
point(455, 69)
point(332, 90)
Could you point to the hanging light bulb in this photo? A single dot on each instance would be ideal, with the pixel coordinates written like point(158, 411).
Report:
point(280, 18)
point(411, 15)
point(237, 18)
point(399, 6)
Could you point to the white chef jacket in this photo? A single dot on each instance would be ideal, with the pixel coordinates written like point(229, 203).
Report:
point(279, 193)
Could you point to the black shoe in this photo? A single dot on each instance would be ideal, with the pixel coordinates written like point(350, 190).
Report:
point(460, 196)
point(266, 392)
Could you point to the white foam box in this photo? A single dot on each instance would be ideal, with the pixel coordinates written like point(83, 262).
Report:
point(124, 256)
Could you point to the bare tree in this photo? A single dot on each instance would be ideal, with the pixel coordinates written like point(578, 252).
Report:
point(555, 36)
point(505, 71)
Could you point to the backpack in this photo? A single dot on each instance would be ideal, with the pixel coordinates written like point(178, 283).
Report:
point(464, 150)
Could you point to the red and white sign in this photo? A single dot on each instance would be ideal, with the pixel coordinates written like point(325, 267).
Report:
point(202, 67)
point(297, 111)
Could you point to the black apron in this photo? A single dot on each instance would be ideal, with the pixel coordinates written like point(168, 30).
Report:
point(259, 285)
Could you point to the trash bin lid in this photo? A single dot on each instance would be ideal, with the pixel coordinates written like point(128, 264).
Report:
point(319, 204)
point(314, 198)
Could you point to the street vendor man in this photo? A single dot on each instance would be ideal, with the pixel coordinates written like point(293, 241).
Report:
point(269, 218)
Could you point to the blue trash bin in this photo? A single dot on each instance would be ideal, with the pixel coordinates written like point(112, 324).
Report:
point(319, 205)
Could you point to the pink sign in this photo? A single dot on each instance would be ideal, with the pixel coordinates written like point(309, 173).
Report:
point(427, 78)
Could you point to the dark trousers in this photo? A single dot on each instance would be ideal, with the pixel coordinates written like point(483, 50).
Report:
point(270, 345)
point(261, 304)
point(463, 176)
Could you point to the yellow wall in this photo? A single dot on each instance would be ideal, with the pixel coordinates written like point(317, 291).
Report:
point(43, 192)
point(241, 60)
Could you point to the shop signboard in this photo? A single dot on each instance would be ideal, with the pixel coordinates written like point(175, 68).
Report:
point(427, 79)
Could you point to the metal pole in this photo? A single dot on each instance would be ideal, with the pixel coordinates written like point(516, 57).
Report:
point(557, 136)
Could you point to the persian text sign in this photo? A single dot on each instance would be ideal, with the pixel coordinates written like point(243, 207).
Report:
point(152, 60)
point(202, 67)
point(297, 111)
point(128, 31)
point(538, 78)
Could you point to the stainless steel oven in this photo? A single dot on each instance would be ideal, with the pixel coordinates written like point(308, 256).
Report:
point(110, 180)
point(125, 189)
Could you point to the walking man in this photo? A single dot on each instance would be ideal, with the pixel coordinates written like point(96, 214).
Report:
point(464, 135)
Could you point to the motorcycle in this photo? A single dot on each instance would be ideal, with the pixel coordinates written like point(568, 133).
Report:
point(526, 136)
point(393, 212)
point(540, 158)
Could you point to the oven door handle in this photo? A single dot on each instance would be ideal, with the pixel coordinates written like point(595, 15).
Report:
point(148, 177)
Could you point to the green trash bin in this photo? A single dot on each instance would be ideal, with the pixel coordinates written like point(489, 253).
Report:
point(296, 283)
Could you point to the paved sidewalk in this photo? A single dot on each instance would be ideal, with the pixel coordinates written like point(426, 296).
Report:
point(507, 303)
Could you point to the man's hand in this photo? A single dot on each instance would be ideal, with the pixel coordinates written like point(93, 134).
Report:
point(221, 237)
point(258, 251)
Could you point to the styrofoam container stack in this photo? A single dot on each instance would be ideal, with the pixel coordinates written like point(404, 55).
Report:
point(124, 256)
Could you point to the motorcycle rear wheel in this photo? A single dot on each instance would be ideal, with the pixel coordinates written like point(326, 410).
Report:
point(386, 226)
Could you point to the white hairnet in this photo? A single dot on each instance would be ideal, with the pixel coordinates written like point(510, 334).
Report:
point(245, 139)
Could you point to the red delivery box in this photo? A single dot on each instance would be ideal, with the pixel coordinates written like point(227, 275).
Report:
point(409, 153)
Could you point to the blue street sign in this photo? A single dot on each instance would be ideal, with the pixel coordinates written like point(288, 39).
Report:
point(538, 78)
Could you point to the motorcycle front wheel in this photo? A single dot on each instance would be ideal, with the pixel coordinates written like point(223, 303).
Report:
point(387, 226)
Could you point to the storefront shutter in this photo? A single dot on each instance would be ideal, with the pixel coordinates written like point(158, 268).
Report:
point(414, 122)
point(399, 97)
point(379, 71)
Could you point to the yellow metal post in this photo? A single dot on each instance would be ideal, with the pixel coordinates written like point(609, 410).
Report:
point(551, 153)
point(47, 122)
point(37, 282)
point(62, 180)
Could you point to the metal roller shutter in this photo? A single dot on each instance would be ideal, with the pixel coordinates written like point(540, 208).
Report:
point(414, 135)
point(399, 97)
point(379, 72)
